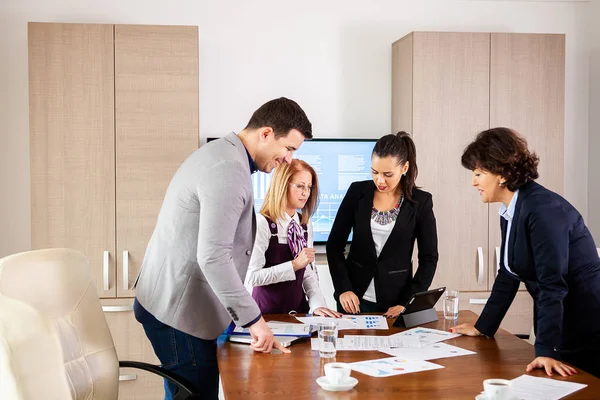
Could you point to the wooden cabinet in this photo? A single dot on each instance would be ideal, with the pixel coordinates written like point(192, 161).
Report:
point(447, 87)
point(72, 142)
point(113, 113)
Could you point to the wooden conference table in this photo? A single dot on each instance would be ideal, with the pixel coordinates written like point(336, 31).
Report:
point(249, 375)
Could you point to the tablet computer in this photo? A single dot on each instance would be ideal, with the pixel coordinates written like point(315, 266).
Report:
point(419, 309)
point(423, 300)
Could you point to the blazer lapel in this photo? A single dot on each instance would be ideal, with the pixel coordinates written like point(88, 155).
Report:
point(363, 223)
point(503, 226)
point(513, 230)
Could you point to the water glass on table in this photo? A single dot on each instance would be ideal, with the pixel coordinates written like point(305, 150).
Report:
point(328, 333)
point(451, 304)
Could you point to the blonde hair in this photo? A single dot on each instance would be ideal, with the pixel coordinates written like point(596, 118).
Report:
point(275, 201)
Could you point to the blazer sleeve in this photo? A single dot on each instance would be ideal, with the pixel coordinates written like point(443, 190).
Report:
point(338, 237)
point(427, 243)
point(503, 293)
point(216, 233)
point(549, 230)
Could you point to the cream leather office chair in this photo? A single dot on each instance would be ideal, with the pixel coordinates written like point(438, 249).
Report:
point(54, 340)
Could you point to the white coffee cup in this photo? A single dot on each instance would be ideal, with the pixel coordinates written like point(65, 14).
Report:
point(337, 372)
point(497, 389)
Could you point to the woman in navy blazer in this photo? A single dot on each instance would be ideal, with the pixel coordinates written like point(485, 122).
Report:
point(549, 249)
point(386, 215)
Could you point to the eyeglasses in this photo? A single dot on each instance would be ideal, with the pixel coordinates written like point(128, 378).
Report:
point(301, 188)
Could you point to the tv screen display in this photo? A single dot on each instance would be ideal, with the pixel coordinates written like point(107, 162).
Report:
point(338, 163)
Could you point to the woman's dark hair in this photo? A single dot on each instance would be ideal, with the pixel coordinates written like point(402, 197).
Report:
point(403, 148)
point(503, 152)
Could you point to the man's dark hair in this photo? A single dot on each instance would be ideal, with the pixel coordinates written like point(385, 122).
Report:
point(282, 115)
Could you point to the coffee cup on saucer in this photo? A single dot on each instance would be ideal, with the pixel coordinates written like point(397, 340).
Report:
point(337, 372)
point(337, 377)
point(497, 389)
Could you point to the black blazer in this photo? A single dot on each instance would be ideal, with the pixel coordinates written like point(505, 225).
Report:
point(392, 270)
point(552, 251)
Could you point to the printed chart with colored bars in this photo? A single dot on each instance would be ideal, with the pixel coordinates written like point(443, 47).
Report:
point(368, 321)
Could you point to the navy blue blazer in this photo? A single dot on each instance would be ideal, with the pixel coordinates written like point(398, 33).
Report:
point(393, 269)
point(553, 252)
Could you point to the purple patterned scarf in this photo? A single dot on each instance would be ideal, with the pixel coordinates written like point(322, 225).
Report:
point(295, 236)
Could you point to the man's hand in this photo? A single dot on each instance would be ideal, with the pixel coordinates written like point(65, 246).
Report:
point(263, 339)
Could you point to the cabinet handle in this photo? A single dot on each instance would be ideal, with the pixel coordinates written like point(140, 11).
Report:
point(497, 260)
point(480, 265)
point(117, 308)
point(132, 377)
point(125, 270)
point(478, 301)
point(105, 270)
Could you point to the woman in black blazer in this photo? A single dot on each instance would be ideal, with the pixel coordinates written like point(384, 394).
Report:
point(386, 215)
point(549, 249)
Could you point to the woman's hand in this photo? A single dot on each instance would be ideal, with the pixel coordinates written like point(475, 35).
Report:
point(326, 312)
point(305, 257)
point(393, 312)
point(350, 302)
point(550, 364)
point(466, 329)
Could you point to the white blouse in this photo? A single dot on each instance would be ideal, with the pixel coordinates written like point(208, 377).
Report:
point(257, 275)
point(381, 233)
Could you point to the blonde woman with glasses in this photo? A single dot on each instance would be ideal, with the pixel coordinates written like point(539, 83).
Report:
point(282, 272)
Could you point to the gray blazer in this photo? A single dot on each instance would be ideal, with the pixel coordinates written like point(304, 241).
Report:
point(193, 272)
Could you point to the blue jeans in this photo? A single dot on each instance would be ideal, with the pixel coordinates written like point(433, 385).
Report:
point(192, 359)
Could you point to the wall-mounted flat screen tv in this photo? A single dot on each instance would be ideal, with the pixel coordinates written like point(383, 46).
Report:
point(338, 162)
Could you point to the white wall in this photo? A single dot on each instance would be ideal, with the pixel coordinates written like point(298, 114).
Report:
point(593, 220)
point(332, 56)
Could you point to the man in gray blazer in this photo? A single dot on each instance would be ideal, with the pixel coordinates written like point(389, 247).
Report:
point(191, 285)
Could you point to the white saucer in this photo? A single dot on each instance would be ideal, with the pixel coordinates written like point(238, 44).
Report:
point(482, 396)
point(340, 387)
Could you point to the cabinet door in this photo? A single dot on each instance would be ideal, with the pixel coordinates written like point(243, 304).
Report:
point(450, 105)
point(156, 95)
point(527, 91)
point(71, 118)
point(132, 344)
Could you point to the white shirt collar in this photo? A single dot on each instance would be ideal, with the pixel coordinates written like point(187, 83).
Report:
point(286, 219)
point(508, 212)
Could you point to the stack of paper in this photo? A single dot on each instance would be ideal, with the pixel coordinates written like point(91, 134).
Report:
point(392, 366)
point(431, 352)
point(358, 342)
point(280, 329)
point(528, 387)
point(427, 335)
point(350, 321)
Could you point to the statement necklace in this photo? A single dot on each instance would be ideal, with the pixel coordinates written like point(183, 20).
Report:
point(386, 217)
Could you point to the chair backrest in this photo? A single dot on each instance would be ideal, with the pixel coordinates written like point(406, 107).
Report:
point(54, 340)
